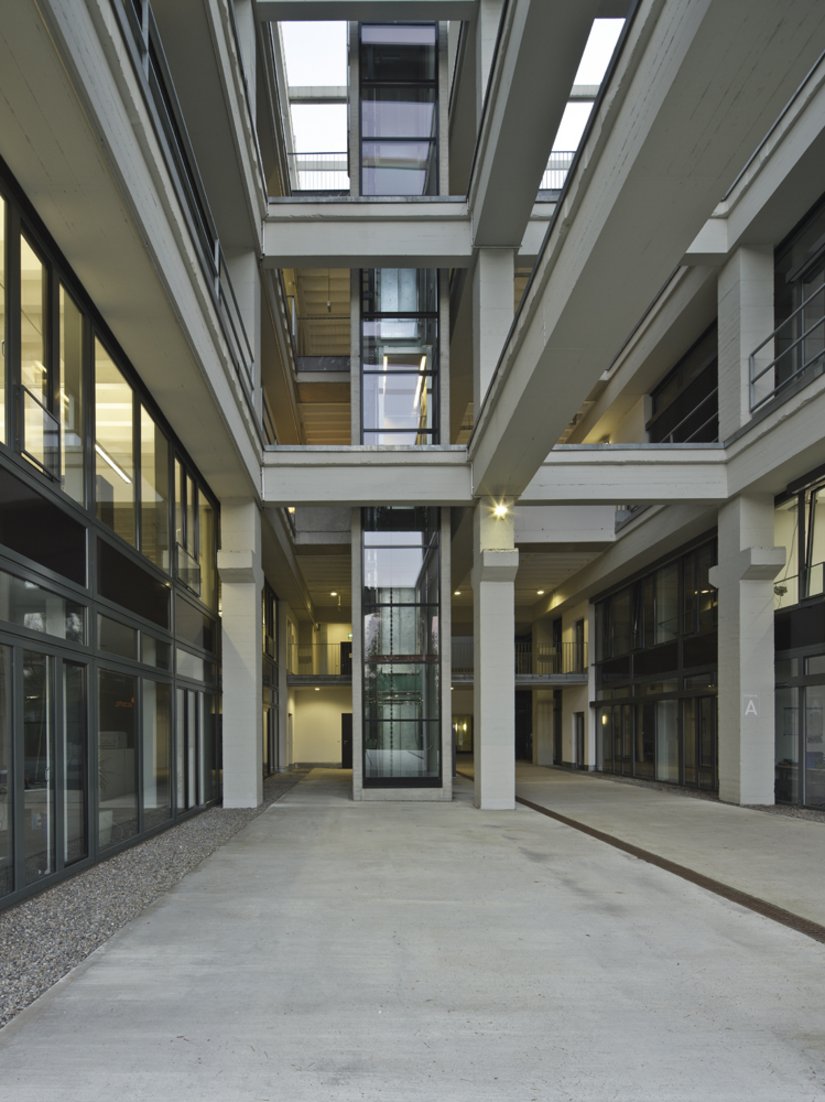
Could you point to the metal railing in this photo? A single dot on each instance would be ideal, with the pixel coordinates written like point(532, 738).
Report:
point(537, 662)
point(699, 425)
point(141, 35)
point(320, 659)
point(319, 172)
point(555, 175)
point(801, 338)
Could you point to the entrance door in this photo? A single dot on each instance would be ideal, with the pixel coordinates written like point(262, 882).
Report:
point(346, 740)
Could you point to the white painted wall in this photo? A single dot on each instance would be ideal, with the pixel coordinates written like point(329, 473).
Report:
point(317, 723)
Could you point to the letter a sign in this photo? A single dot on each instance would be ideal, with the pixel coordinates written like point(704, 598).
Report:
point(750, 706)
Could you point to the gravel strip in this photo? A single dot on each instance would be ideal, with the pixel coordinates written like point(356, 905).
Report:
point(43, 938)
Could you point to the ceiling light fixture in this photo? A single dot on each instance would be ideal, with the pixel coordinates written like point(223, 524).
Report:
point(104, 455)
point(501, 510)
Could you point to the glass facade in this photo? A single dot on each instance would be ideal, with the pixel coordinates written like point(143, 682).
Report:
point(399, 356)
point(656, 674)
point(401, 647)
point(399, 109)
point(109, 638)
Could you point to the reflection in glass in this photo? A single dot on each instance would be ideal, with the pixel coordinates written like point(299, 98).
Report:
point(667, 741)
point(398, 168)
point(786, 534)
point(75, 785)
point(38, 767)
point(154, 491)
point(30, 606)
point(6, 775)
point(3, 341)
point(189, 738)
point(34, 374)
point(114, 447)
point(388, 111)
point(71, 396)
point(398, 52)
point(786, 735)
point(814, 746)
point(157, 753)
point(208, 553)
point(117, 758)
point(116, 638)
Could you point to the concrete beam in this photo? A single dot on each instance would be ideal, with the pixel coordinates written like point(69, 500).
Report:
point(369, 11)
point(539, 50)
point(365, 475)
point(642, 474)
point(367, 234)
point(689, 104)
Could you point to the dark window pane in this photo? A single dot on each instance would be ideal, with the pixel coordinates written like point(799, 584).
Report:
point(35, 528)
point(398, 53)
point(191, 626)
point(157, 753)
point(124, 582)
point(116, 638)
point(117, 759)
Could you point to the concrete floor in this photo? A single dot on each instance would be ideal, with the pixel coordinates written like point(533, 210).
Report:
point(340, 951)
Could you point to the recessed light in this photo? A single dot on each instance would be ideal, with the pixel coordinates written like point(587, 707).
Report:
point(334, 593)
point(317, 689)
point(457, 593)
point(540, 592)
point(500, 510)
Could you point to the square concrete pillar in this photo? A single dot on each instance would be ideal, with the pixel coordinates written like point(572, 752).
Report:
point(745, 312)
point(744, 575)
point(493, 298)
point(239, 564)
point(495, 564)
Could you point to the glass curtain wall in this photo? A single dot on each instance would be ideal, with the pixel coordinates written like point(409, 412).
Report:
point(401, 675)
point(399, 356)
point(399, 109)
point(102, 617)
point(656, 674)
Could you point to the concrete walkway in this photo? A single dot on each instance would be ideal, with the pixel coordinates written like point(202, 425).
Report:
point(772, 857)
point(339, 951)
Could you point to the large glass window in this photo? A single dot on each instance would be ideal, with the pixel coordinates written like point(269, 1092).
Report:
point(6, 774)
point(799, 527)
point(3, 335)
point(30, 606)
point(114, 446)
point(75, 775)
point(38, 767)
point(71, 397)
point(399, 355)
point(399, 109)
point(157, 753)
point(402, 710)
point(39, 429)
point(154, 491)
point(685, 404)
point(117, 758)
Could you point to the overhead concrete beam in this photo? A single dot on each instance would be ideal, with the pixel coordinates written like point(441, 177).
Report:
point(540, 46)
point(688, 103)
point(367, 234)
point(641, 474)
point(370, 11)
point(365, 475)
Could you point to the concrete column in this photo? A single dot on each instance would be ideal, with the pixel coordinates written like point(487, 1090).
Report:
point(748, 563)
point(493, 295)
point(487, 24)
point(495, 563)
point(239, 564)
point(745, 311)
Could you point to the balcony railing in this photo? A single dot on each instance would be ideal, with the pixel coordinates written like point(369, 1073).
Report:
point(319, 172)
point(312, 660)
point(555, 175)
point(793, 355)
point(141, 35)
point(536, 662)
